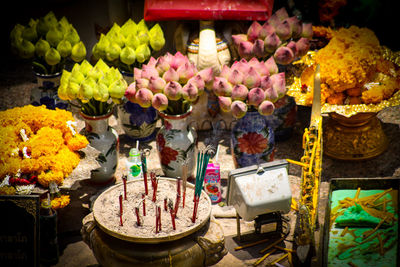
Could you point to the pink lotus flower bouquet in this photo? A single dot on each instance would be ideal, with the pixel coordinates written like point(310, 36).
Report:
point(169, 84)
point(252, 84)
point(283, 37)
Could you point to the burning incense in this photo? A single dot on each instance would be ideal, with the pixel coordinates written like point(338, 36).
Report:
point(144, 167)
point(144, 204)
point(124, 177)
point(137, 216)
point(120, 210)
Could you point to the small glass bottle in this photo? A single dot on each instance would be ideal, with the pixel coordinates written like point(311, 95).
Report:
point(134, 165)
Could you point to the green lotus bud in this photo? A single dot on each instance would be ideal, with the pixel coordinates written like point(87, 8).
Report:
point(26, 49)
point(143, 37)
point(142, 53)
point(64, 48)
point(64, 24)
point(156, 30)
point(101, 93)
point(50, 18)
point(41, 47)
point(114, 29)
point(141, 26)
point(54, 36)
point(42, 27)
point(117, 88)
point(128, 55)
point(73, 89)
point(72, 36)
point(117, 37)
point(95, 73)
point(157, 42)
point(76, 75)
point(65, 77)
point(107, 79)
point(78, 52)
point(113, 51)
point(86, 89)
point(132, 41)
point(33, 22)
point(62, 91)
point(52, 57)
point(128, 28)
point(30, 34)
point(85, 67)
point(16, 32)
point(102, 66)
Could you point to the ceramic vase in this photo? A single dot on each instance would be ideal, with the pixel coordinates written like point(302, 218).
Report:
point(252, 140)
point(46, 91)
point(283, 119)
point(138, 123)
point(105, 139)
point(176, 144)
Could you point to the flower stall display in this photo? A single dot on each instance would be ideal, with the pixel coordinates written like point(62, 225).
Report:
point(130, 45)
point(50, 44)
point(249, 89)
point(97, 88)
point(171, 84)
point(283, 37)
point(39, 147)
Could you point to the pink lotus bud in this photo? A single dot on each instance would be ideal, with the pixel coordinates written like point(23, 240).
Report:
point(246, 49)
point(254, 31)
point(307, 31)
point(185, 72)
point(152, 62)
point(159, 102)
point(284, 55)
point(173, 90)
point(142, 83)
point(256, 96)
point(171, 75)
point(225, 103)
point(253, 62)
point(296, 26)
point(292, 46)
point(162, 65)
point(198, 81)
point(190, 92)
point(239, 92)
point(271, 66)
point(266, 108)
point(266, 30)
point(238, 38)
point(274, 20)
point(222, 87)
point(207, 75)
point(225, 72)
point(283, 30)
point(281, 14)
point(143, 97)
point(157, 84)
point(148, 72)
point(258, 48)
point(130, 92)
point(265, 82)
point(137, 73)
point(271, 42)
point(251, 78)
point(302, 46)
point(178, 60)
point(271, 94)
point(236, 77)
point(238, 109)
point(168, 58)
point(279, 83)
point(262, 69)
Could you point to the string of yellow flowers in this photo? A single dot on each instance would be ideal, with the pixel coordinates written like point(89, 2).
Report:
point(39, 141)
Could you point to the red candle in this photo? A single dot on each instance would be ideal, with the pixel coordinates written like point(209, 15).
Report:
point(120, 210)
point(124, 180)
point(172, 218)
point(144, 204)
point(137, 216)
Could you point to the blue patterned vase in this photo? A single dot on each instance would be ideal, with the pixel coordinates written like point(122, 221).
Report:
point(252, 140)
point(46, 92)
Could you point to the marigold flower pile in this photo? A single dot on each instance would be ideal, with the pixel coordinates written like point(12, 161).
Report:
point(39, 141)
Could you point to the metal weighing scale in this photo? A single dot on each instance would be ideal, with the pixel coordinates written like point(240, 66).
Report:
point(261, 193)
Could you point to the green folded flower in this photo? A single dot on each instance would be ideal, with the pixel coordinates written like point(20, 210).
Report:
point(85, 67)
point(54, 36)
point(128, 55)
point(30, 34)
point(117, 88)
point(76, 75)
point(52, 57)
point(128, 28)
point(157, 42)
point(113, 51)
point(101, 65)
point(102, 92)
point(72, 36)
point(16, 32)
point(156, 30)
point(115, 28)
point(64, 48)
point(65, 25)
point(78, 52)
point(143, 37)
point(95, 73)
point(86, 89)
point(142, 53)
point(141, 26)
point(116, 37)
point(26, 49)
point(42, 27)
point(41, 47)
point(64, 80)
point(132, 41)
point(73, 89)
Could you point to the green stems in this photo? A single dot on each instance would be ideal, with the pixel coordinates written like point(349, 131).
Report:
point(96, 108)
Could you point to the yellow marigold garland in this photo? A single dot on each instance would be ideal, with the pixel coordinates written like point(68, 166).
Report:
point(51, 147)
point(60, 202)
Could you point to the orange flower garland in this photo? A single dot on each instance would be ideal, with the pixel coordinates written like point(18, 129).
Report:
point(39, 141)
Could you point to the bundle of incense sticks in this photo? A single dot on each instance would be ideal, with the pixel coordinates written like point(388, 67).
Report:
point(120, 210)
point(184, 181)
point(154, 184)
point(144, 168)
point(202, 162)
point(124, 178)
